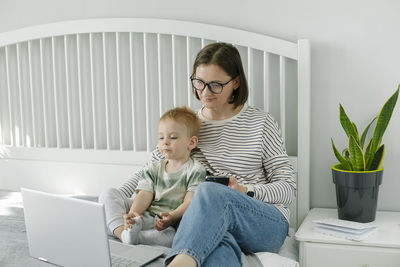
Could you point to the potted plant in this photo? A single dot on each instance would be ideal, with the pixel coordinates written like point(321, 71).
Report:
point(358, 174)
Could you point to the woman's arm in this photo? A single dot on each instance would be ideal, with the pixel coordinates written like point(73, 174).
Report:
point(279, 173)
point(279, 191)
point(129, 187)
point(277, 184)
point(281, 188)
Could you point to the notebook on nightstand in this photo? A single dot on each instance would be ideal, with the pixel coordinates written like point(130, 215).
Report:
point(344, 229)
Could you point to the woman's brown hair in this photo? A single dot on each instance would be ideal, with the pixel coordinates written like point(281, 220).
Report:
point(228, 58)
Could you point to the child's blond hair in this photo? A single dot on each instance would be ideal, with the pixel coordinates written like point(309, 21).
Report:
point(186, 116)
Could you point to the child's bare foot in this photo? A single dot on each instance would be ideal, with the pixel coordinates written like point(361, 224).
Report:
point(118, 231)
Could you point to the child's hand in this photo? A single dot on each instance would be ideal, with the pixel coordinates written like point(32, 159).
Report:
point(166, 221)
point(128, 219)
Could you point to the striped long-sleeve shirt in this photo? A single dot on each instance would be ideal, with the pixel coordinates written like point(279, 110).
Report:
point(249, 147)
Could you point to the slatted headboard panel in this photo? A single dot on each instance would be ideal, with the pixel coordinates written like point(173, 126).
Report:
point(92, 91)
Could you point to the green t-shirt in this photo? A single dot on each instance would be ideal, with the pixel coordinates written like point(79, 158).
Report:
point(169, 189)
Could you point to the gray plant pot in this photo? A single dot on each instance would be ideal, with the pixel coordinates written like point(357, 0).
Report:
point(356, 193)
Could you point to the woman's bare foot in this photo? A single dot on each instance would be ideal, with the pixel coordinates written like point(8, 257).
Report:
point(182, 260)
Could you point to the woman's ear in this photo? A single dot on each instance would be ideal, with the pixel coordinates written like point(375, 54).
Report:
point(236, 82)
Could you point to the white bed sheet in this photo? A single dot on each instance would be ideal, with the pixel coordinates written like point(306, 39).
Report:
point(287, 256)
point(14, 245)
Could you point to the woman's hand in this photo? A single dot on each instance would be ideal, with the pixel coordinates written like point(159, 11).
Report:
point(166, 221)
point(128, 219)
point(234, 184)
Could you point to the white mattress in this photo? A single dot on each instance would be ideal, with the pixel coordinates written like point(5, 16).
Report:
point(287, 256)
point(14, 246)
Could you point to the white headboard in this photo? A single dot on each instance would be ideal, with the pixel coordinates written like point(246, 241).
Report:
point(80, 100)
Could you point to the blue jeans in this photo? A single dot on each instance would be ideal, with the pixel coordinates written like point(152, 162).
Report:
point(220, 222)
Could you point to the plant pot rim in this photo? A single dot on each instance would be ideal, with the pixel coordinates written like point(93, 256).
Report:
point(335, 167)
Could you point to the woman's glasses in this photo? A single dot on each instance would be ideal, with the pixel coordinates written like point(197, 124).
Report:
point(214, 87)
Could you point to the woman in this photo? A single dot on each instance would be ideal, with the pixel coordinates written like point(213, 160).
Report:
point(245, 144)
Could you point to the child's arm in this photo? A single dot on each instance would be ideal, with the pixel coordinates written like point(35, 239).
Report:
point(141, 202)
point(171, 218)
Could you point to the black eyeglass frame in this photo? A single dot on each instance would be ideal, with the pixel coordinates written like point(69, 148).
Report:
point(209, 86)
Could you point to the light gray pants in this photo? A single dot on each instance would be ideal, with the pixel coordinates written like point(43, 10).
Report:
point(116, 205)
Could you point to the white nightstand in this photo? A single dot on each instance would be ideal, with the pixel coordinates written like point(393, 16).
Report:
point(381, 249)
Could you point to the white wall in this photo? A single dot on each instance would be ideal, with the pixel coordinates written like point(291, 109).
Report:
point(355, 59)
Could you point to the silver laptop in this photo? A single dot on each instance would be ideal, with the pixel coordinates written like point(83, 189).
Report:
point(72, 232)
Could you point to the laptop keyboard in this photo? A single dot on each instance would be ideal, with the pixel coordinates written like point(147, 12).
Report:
point(119, 261)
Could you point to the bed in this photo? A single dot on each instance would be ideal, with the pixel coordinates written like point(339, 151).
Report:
point(80, 101)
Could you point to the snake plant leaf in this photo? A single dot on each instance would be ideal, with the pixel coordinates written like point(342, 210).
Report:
point(347, 155)
point(367, 153)
point(356, 137)
point(381, 124)
point(365, 132)
point(347, 124)
point(378, 158)
point(347, 158)
point(356, 155)
point(345, 165)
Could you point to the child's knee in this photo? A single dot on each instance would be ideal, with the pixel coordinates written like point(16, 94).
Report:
point(109, 193)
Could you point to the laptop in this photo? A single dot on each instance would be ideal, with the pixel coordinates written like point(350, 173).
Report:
point(72, 232)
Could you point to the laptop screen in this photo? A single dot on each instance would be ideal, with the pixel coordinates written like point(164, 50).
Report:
point(71, 232)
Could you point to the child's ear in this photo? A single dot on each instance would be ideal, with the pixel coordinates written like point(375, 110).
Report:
point(193, 142)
